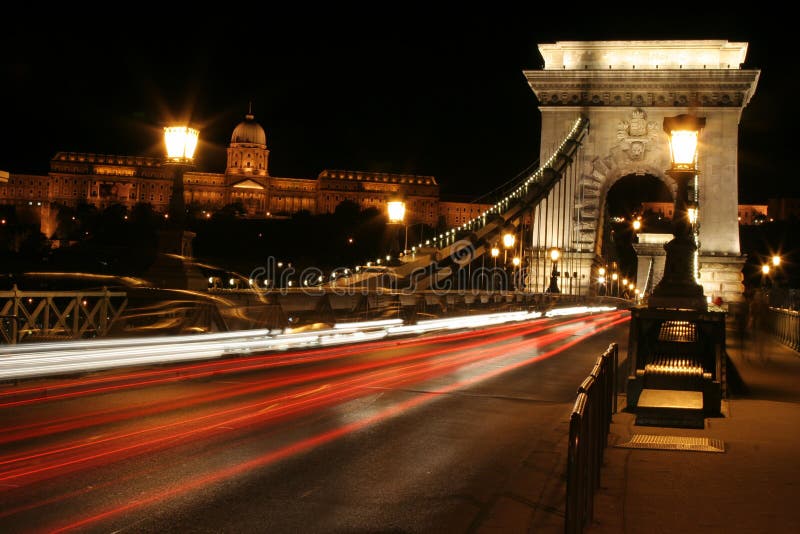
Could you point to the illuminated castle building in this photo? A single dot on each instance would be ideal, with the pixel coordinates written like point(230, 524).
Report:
point(104, 180)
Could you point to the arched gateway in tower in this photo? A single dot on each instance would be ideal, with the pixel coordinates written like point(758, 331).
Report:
point(625, 89)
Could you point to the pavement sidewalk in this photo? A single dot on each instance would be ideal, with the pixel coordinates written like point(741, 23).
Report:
point(753, 486)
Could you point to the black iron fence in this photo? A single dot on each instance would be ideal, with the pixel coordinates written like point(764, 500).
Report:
point(589, 425)
point(785, 325)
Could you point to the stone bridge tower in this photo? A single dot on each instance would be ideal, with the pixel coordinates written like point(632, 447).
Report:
point(626, 88)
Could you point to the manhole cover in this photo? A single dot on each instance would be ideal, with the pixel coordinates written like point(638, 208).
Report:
point(674, 443)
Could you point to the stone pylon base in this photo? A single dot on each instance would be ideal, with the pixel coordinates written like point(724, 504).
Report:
point(721, 276)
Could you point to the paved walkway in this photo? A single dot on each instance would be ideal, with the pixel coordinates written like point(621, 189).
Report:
point(754, 486)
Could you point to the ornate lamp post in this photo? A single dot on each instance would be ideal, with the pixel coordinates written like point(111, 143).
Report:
point(555, 253)
point(678, 288)
point(172, 267)
point(397, 215)
point(180, 143)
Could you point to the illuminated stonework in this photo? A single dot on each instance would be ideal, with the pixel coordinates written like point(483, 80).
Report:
point(626, 88)
point(104, 180)
point(656, 55)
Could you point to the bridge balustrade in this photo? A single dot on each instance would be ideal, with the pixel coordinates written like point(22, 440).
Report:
point(784, 324)
point(46, 315)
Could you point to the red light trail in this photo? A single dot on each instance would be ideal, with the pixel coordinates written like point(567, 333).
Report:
point(296, 391)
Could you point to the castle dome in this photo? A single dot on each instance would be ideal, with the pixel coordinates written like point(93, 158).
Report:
point(249, 132)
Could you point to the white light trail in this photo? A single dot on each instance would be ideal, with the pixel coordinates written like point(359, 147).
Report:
point(43, 359)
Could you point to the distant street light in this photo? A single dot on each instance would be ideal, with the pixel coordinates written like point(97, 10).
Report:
point(776, 261)
point(508, 242)
point(637, 225)
point(555, 253)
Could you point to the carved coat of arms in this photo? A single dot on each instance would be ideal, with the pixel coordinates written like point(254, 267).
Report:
point(635, 133)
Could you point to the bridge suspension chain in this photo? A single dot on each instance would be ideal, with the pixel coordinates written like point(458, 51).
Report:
point(552, 187)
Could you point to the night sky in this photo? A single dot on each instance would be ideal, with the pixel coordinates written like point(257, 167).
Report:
point(398, 92)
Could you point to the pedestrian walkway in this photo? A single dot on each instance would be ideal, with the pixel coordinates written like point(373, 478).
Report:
point(753, 486)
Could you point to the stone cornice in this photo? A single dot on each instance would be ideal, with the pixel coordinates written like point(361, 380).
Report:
point(670, 54)
point(676, 87)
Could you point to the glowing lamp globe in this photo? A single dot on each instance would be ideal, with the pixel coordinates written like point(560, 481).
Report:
point(509, 240)
point(555, 253)
point(397, 211)
point(181, 142)
point(683, 131)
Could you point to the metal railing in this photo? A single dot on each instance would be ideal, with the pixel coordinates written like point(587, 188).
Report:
point(785, 325)
point(58, 314)
point(589, 425)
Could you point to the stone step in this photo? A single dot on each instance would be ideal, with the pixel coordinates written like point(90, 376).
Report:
point(670, 407)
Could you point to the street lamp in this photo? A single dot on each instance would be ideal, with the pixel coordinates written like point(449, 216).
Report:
point(180, 143)
point(508, 242)
point(776, 261)
point(516, 261)
point(764, 274)
point(555, 253)
point(397, 215)
point(637, 225)
point(601, 279)
point(615, 278)
point(495, 252)
point(678, 287)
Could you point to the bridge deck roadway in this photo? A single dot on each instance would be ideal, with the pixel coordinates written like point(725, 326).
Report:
point(456, 434)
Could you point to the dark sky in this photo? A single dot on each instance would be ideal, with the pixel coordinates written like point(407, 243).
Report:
point(402, 92)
